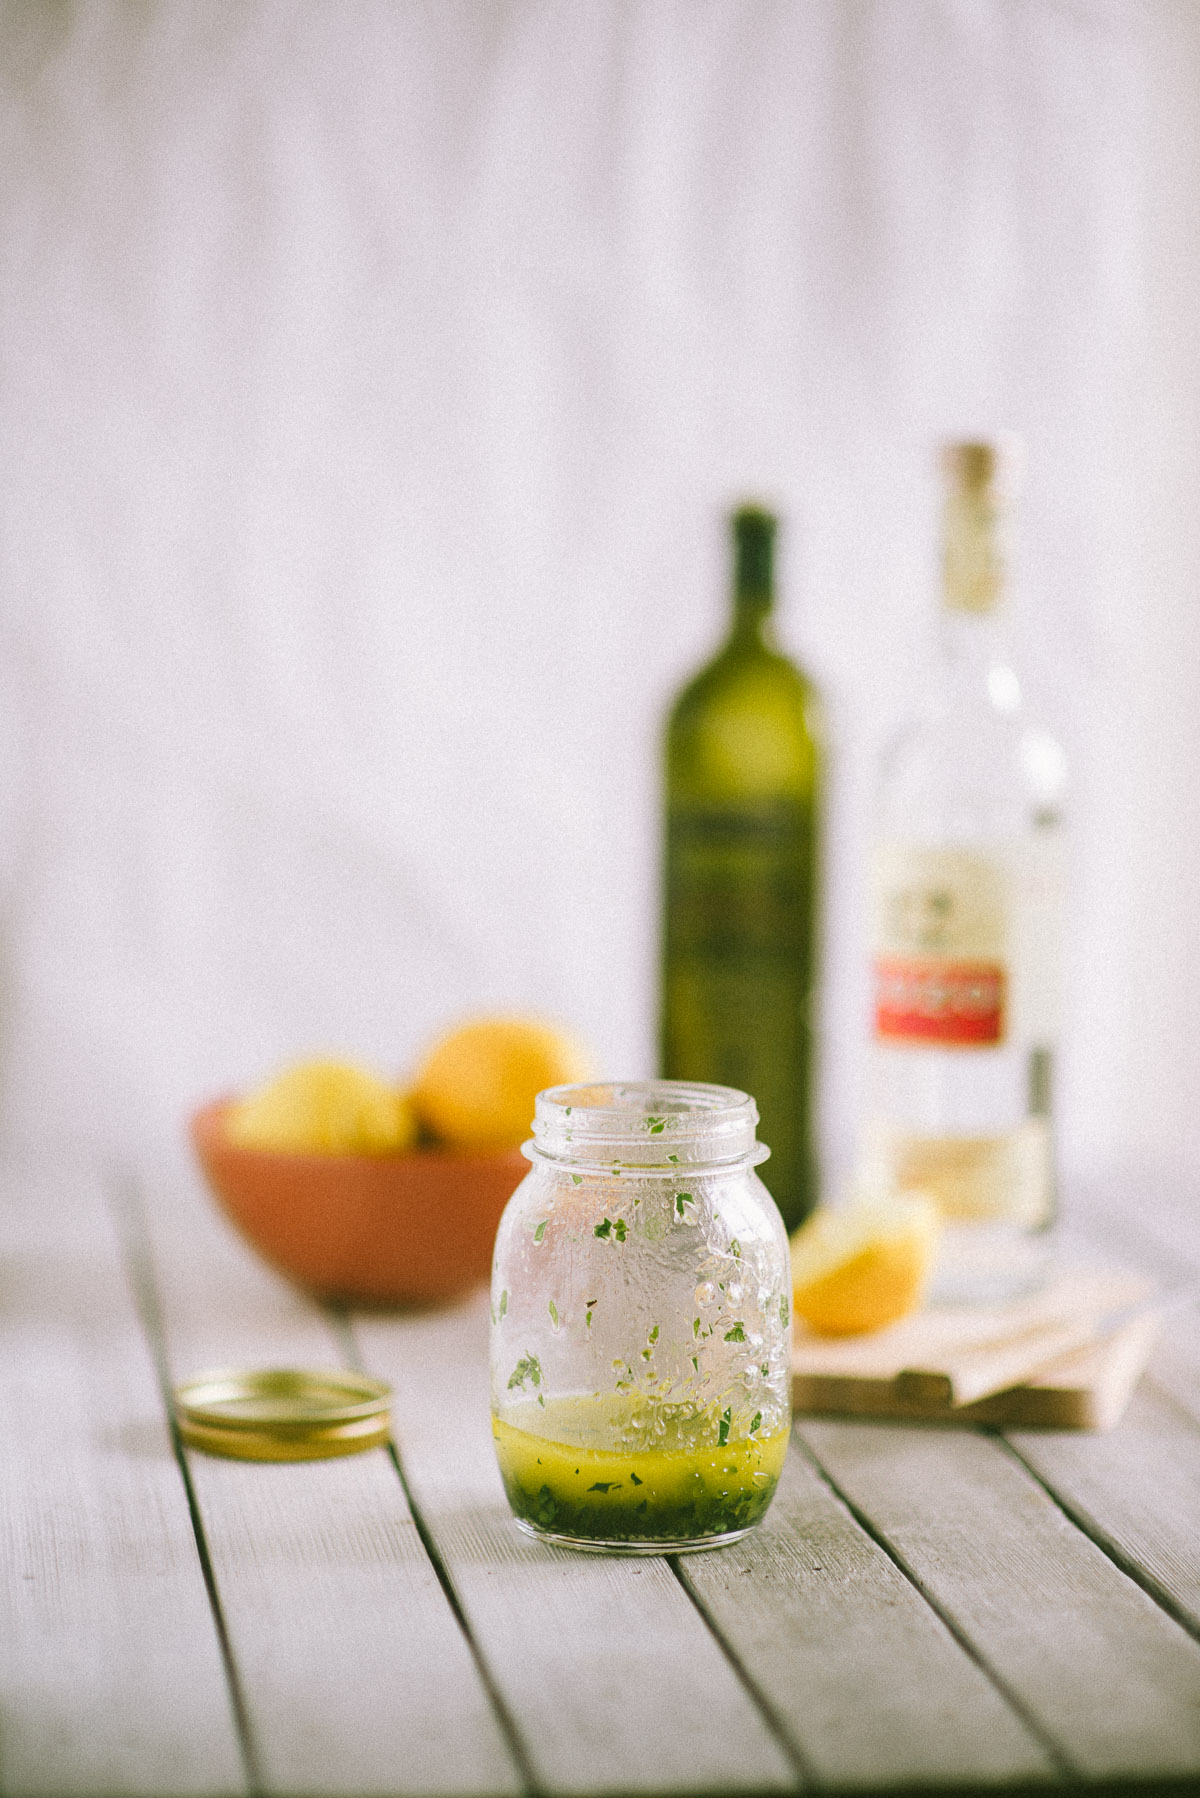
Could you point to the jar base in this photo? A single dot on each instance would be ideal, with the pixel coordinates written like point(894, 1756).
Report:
point(597, 1546)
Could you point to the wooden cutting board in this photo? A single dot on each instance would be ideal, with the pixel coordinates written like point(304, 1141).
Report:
point(1066, 1357)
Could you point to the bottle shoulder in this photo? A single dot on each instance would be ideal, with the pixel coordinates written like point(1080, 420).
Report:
point(962, 772)
point(749, 720)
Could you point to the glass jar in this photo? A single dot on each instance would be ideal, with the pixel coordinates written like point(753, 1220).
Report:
point(641, 1304)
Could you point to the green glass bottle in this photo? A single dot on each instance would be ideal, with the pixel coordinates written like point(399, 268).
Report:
point(743, 802)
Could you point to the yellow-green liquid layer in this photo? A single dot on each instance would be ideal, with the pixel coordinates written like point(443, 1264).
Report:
point(652, 1494)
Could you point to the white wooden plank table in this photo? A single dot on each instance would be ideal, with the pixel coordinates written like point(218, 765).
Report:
point(924, 1610)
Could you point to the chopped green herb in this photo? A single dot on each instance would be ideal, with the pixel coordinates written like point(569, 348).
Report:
point(738, 1332)
point(723, 1432)
point(578, 1179)
point(527, 1368)
point(606, 1486)
point(604, 1229)
point(588, 1320)
point(620, 1230)
point(634, 1478)
point(696, 1363)
point(657, 1125)
point(695, 1326)
point(764, 1370)
point(673, 1158)
point(504, 1301)
point(542, 1399)
point(566, 1111)
point(653, 1336)
point(540, 1231)
point(590, 1303)
point(783, 1309)
point(682, 1199)
point(735, 1248)
point(646, 1354)
point(755, 1421)
point(554, 1314)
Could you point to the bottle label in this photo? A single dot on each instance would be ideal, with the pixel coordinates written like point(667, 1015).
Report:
point(941, 950)
point(951, 1003)
point(739, 884)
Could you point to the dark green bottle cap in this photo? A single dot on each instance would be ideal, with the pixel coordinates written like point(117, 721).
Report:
point(754, 537)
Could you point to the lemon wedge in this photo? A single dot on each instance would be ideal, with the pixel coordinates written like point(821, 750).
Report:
point(477, 1086)
point(324, 1108)
point(865, 1265)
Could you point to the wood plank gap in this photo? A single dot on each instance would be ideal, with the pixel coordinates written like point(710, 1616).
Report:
point(1059, 1758)
point(1112, 1549)
point(344, 1330)
point(805, 1772)
point(128, 1211)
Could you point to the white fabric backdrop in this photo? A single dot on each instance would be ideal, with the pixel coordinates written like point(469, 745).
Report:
point(373, 377)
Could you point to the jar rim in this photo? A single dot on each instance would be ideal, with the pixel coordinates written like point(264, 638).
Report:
point(646, 1125)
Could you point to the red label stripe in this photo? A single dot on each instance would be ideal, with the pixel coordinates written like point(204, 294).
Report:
point(935, 1001)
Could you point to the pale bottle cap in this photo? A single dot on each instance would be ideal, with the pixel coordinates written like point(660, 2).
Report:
point(980, 477)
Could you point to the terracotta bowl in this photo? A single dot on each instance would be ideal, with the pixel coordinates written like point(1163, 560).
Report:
point(379, 1229)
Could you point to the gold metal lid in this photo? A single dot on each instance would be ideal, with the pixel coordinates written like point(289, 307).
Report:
point(283, 1413)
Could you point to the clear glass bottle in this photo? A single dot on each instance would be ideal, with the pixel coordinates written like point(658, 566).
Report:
point(641, 1302)
point(744, 767)
point(966, 923)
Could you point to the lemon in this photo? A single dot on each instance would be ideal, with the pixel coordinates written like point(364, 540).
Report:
point(324, 1108)
point(863, 1266)
point(477, 1086)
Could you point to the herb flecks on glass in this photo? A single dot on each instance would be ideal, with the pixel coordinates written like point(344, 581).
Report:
point(527, 1368)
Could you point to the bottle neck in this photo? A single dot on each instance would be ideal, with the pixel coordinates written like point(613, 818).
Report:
point(753, 576)
point(974, 576)
point(975, 659)
point(752, 621)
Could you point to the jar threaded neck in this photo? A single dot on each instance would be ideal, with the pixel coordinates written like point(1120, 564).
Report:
point(645, 1125)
